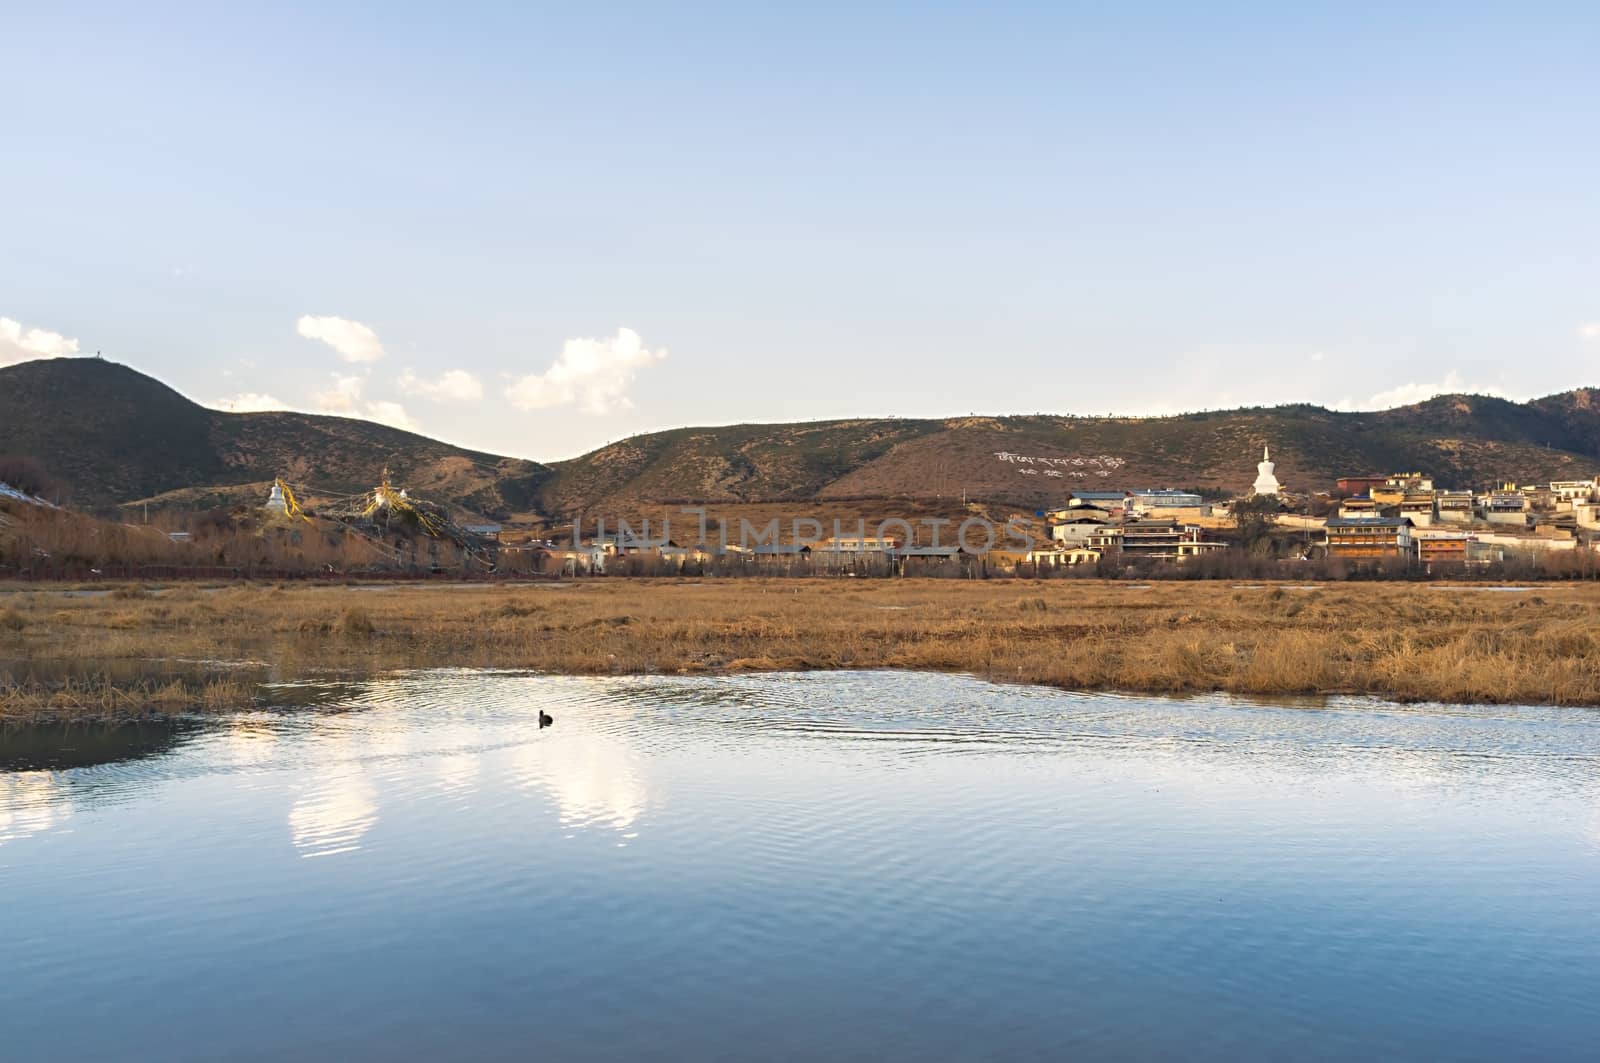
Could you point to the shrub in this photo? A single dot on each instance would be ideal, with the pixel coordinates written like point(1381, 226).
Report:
point(28, 476)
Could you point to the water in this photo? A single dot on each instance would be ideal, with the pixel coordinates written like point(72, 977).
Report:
point(832, 866)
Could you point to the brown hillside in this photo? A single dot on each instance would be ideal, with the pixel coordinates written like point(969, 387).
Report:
point(113, 435)
point(1469, 441)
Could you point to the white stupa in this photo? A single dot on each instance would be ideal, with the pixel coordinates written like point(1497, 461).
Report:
point(276, 503)
point(1266, 483)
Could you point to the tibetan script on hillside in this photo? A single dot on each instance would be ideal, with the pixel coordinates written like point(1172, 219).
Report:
point(1077, 468)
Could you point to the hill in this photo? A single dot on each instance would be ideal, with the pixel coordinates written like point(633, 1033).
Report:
point(1463, 440)
point(113, 435)
point(116, 436)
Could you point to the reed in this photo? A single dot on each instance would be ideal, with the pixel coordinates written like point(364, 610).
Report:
point(1400, 641)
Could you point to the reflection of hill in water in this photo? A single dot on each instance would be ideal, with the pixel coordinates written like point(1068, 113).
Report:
point(57, 747)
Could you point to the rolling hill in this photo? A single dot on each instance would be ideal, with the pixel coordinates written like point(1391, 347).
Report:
point(115, 436)
point(1468, 441)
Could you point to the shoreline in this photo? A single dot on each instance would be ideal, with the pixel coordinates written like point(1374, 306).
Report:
point(130, 652)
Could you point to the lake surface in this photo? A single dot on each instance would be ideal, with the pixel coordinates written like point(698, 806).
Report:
point(841, 866)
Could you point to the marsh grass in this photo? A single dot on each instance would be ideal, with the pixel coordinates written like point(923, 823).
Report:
point(357, 623)
point(1393, 640)
point(101, 697)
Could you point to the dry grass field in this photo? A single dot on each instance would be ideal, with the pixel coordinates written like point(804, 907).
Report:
point(65, 653)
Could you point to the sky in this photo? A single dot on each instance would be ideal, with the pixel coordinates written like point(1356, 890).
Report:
point(535, 229)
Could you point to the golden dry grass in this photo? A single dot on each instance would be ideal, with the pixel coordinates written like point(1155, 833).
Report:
point(1403, 641)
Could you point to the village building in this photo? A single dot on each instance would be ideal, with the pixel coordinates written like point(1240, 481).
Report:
point(1505, 507)
point(1358, 506)
point(1078, 507)
point(681, 556)
point(1195, 544)
point(928, 559)
point(1105, 539)
point(781, 551)
point(1080, 526)
point(1113, 502)
point(1359, 485)
point(578, 560)
point(853, 552)
point(634, 545)
point(1505, 544)
point(1418, 507)
point(1166, 498)
point(1397, 486)
point(531, 556)
point(1368, 538)
point(1441, 549)
point(1454, 507)
point(1540, 498)
point(1007, 558)
point(1164, 540)
point(1063, 557)
point(1558, 526)
point(1576, 490)
point(1157, 539)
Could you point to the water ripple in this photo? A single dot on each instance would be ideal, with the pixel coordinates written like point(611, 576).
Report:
point(830, 865)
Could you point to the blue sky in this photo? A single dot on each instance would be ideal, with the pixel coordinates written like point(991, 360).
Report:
point(448, 216)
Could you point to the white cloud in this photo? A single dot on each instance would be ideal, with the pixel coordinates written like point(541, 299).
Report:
point(19, 345)
point(1408, 394)
point(1590, 330)
point(344, 399)
point(454, 385)
point(390, 413)
point(594, 374)
point(354, 341)
point(249, 402)
point(1317, 356)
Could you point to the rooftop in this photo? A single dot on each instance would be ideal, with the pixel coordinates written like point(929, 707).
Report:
point(1368, 522)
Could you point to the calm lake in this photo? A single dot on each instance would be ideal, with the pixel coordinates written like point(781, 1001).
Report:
point(840, 866)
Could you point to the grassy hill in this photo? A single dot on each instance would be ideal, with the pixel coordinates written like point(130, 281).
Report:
point(115, 436)
point(1467, 441)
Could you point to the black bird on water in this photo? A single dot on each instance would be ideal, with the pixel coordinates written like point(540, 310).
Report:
point(545, 719)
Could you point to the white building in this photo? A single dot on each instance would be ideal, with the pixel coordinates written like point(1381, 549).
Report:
point(1575, 490)
point(276, 503)
point(1505, 507)
point(1266, 483)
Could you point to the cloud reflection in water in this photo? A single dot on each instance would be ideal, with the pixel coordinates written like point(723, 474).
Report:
point(31, 802)
point(333, 818)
